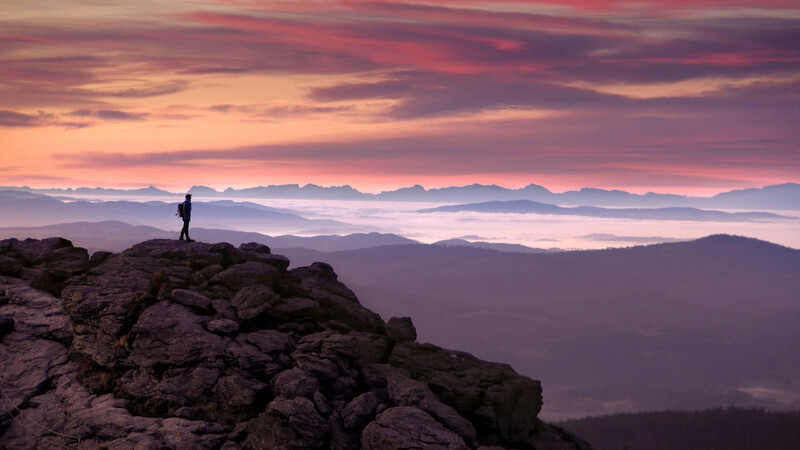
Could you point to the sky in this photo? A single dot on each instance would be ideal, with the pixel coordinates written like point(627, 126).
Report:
point(691, 97)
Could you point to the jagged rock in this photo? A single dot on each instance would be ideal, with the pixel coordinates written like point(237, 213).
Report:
point(6, 326)
point(288, 423)
point(295, 383)
point(28, 365)
point(408, 427)
point(246, 274)
point(176, 388)
point(407, 392)
point(377, 375)
point(223, 326)
point(320, 283)
point(35, 313)
point(192, 299)
point(98, 258)
point(342, 439)
point(238, 391)
point(270, 341)
point(34, 251)
point(356, 348)
point(170, 334)
point(321, 403)
point(495, 398)
point(55, 260)
point(173, 344)
point(360, 411)
point(224, 309)
point(317, 366)
point(250, 358)
point(255, 247)
point(253, 300)
point(295, 308)
point(401, 329)
point(258, 252)
point(10, 266)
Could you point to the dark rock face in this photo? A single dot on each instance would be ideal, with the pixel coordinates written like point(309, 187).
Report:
point(171, 344)
point(401, 329)
point(49, 262)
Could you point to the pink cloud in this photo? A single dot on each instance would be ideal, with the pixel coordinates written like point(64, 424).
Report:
point(436, 59)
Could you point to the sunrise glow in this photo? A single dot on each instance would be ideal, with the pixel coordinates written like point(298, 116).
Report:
point(684, 96)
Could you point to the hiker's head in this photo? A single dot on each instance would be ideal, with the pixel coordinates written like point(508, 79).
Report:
point(188, 196)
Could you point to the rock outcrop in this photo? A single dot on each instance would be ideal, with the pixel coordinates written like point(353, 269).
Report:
point(171, 344)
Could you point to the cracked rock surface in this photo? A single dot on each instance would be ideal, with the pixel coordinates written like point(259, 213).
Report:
point(172, 344)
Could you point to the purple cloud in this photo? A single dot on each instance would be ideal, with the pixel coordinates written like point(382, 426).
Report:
point(15, 119)
point(109, 114)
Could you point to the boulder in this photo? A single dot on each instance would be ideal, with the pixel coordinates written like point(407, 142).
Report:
point(407, 392)
point(237, 392)
point(497, 400)
point(253, 300)
point(258, 252)
point(319, 280)
point(246, 274)
point(54, 259)
point(224, 327)
point(288, 423)
point(295, 383)
point(408, 427)
point(360, 410)
point(179, 386)
point(98, 258)
point(170, 334)
point(10, 266)
point(255, 247)
point(191, 299)
point(271, 341)
point(401, 329)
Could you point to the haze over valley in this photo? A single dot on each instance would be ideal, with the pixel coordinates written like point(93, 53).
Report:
point(321, 211)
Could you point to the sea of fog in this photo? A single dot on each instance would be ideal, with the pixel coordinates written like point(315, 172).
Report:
point(533, 230)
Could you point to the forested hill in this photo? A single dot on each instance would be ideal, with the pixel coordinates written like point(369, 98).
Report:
point(712, 429)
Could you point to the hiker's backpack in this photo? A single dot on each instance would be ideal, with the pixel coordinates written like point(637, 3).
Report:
point(180, 210)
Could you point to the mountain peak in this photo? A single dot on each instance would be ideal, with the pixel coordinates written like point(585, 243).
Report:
point(171, 343)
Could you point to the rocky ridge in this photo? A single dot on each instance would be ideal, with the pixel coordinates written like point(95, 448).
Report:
point(171, 344)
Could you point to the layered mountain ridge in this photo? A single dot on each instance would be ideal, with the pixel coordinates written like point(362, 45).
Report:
point(172, 344)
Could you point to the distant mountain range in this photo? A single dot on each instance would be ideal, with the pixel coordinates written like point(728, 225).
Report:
point(30, 209)
point(500, 247)
point(672, 213)
point(776, 197)
point(115, 236)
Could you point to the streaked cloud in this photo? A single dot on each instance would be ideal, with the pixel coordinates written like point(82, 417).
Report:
point(12, 119)
point(407, 88)
point(108, 114)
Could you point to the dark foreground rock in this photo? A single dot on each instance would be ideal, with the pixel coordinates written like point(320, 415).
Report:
point(171, 344)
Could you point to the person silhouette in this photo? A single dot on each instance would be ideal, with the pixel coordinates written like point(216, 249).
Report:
point(187, 216)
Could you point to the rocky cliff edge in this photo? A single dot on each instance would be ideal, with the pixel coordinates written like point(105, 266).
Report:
point(171, 344)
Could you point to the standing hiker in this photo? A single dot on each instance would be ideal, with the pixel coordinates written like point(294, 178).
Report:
point(185, 211)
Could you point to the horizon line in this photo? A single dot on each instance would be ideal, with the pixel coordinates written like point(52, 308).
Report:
point(373, 193)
